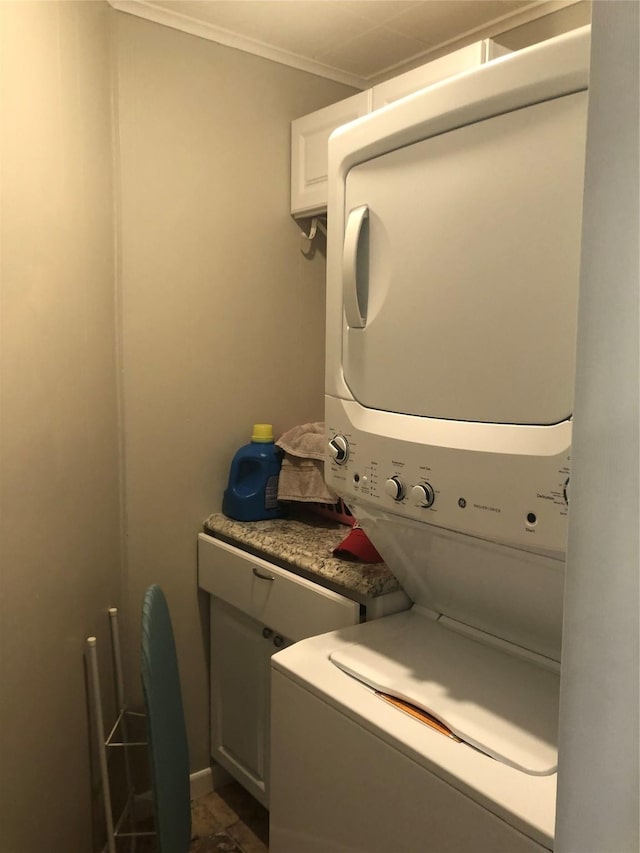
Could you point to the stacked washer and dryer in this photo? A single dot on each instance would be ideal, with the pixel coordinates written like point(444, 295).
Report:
point(453, 269)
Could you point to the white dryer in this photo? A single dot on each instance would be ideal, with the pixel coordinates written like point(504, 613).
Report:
point(453, 267)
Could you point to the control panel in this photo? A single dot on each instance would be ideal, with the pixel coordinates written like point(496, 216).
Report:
point(518, 498)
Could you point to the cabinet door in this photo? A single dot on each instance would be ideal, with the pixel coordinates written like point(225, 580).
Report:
point(435, 71)
point(240, 696)
point(309, 139)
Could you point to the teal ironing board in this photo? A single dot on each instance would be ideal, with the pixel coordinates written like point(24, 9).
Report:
point(168, 749)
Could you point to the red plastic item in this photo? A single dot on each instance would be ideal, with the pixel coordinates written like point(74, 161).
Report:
point(357, 546)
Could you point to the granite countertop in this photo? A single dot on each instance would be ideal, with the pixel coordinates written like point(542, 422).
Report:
point(305, 545)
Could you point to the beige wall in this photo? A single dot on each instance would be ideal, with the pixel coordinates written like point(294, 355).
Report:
point(565, 19)
point(216, 321)
point(222, 316)
point(59, 500)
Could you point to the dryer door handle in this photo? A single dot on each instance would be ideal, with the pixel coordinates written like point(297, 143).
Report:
point(355, 269)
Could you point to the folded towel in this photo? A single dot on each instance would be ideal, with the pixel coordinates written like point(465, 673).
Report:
point(303, 480)
point(302, 471)
point(306, 441)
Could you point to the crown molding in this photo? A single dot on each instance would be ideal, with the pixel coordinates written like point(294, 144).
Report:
point(491, 29)
point(150, 11)
point(177, 21)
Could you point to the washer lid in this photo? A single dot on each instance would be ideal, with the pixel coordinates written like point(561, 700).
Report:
point(503, 705)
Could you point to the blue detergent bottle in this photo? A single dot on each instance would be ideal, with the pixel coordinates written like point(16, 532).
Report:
point(252, 492)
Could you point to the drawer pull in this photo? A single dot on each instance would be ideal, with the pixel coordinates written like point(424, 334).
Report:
point(259, 574)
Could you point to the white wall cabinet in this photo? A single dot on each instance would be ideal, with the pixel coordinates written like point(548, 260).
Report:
point(310, 133)
point(256, 609)
point(309, 139)
point(435, 71)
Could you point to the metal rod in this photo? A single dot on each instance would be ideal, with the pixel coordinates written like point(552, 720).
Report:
point(123, 813)
point(119, 681)
point(114, 729)
point(135, 834)
point(115, 645)
point(102, 753)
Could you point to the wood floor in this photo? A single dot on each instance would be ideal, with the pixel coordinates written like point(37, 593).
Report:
point(228, 820)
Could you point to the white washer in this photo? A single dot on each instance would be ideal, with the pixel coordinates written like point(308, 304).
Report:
point(353, 774)
point(453, 261)
point(350, 772)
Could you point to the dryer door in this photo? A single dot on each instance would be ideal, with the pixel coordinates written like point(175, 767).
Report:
point(460, 270)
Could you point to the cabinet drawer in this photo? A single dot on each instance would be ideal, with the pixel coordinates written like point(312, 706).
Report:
point(290, 605)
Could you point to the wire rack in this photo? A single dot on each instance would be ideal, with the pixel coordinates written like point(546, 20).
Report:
point(122, 826)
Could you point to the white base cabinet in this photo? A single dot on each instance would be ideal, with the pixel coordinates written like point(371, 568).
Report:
point(256, 609)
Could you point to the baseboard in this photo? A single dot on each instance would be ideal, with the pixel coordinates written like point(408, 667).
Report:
point(200, 783)
point(210, 779)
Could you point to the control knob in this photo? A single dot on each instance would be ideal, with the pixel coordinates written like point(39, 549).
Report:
point(394, 487)
point(423, 495)
point(565, 491)
point(339, 449)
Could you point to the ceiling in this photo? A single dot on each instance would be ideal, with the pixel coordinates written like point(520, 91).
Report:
point(358, 42)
